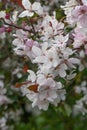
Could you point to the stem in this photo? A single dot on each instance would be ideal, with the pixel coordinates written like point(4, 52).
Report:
point(33, 29)
point(18, 27)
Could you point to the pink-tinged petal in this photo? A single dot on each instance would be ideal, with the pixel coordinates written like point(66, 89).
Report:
point(74, 60)
point(26, 4)
point(83, 21)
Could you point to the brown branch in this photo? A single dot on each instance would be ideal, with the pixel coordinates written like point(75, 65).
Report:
point(18, 27)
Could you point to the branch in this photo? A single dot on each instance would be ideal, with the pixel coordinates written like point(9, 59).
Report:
point(18, 27)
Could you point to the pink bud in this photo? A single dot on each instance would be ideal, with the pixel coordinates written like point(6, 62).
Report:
point(7, 16)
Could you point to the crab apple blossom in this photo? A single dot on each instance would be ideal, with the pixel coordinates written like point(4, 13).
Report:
point(48, 91)
point(56, 49)
point(79, 15)
point(68, 8)
point(31, 8)
point(80, 37)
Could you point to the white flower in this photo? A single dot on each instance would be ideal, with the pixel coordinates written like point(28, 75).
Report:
point(48, 91)
point(79, 15)
point(49, 58)
point(68, 8)
point(61, 41)
point(50, 27)
point(31, 8)
point(2, 14)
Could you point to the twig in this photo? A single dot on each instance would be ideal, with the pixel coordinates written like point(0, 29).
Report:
point(18, 27)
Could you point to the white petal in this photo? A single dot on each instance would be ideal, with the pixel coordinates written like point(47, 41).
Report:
point(71, 76)
point(59, 85)
point(26, 4)
point(2, 14)
point(62, 72)
point(36, 50)
point(36, 6)
point(44, 47)
point(74, 60)
point(32, 76)
point(26, 13)
point(52, 95)
point(40, 59)
point(16, 42)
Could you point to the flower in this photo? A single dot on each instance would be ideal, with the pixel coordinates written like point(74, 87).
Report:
point(48, 91)
point(68, 8)
point(31, 8)
point(80, 37)
point(79, 15)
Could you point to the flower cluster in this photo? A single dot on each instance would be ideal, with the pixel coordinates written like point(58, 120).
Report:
point(46, 43)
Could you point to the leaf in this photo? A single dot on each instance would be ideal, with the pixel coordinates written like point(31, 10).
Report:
point(18, 85)
point(33, 87)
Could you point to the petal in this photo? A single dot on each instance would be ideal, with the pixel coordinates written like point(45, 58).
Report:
point(2, 14)
point(74, 60)
point(36, 50)
point(16, 42)
point(26, 4)
point(40, 59)
point(62, 72)
point(26, 13)
point(32, 76)
point(44, 47)
point(36, 6)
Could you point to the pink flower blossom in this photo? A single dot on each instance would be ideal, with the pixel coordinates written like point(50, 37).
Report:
point(79, 15)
